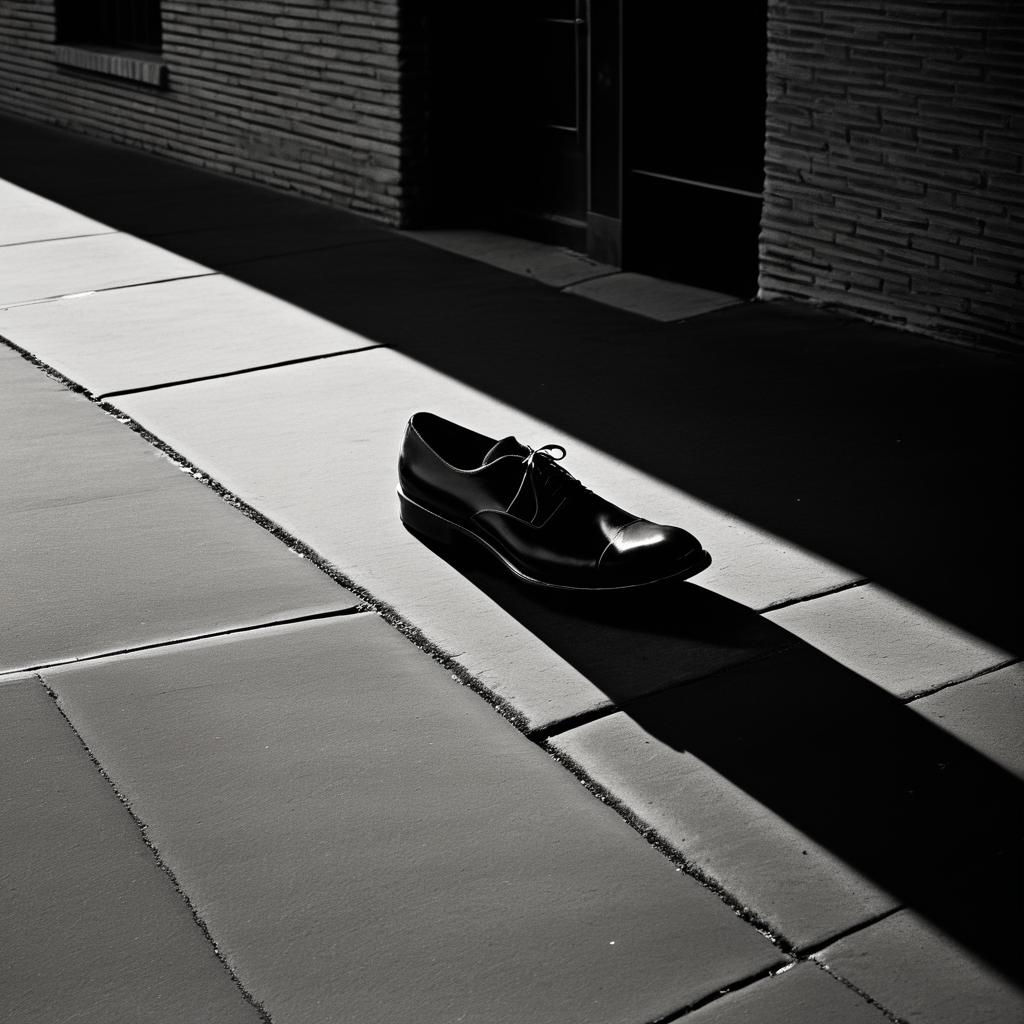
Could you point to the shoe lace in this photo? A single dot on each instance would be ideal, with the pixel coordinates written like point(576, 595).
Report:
point(545, 477)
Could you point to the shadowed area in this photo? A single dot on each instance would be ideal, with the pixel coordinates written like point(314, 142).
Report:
point(920, 813)
point(882, 451)
point(915, 810)
point(627, 642)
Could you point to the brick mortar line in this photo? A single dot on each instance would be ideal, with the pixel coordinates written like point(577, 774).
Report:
point(248, 996)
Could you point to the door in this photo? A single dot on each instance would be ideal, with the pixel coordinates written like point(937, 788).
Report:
point(693, 98)
point(548, 198)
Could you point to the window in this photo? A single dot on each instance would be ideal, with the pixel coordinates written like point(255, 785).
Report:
point(119, 38)
point(111, 24)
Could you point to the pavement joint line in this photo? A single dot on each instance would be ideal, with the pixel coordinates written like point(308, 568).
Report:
point(887, 1013)
point(812, 950)
point(682, 863)
point(564, 725)
point(969, 678)
point(58, 238)
point(248, 996)
point(237, 373)
point(413, 633)
point(501, 705)
point(460, 675)
point(178, 640)
point(805, 956)
point(828, 592)
point(709, 312)
point(109, 288)
point(587, 280)
point(712, 997)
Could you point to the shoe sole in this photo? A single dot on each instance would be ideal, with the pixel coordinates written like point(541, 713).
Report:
point(424, 523)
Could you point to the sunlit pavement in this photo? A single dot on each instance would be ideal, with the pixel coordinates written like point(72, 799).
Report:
point(267, 756)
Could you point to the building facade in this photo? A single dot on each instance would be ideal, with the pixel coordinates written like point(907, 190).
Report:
point(864, 155)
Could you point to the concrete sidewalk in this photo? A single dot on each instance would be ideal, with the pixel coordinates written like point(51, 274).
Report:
point(253, 765)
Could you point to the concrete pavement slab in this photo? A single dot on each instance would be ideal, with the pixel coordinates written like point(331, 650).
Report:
point(212, 219)
point(71, 266)
point(801, 890)
point(203, 202)
point(888, 640)
point(368, 841)
point(759, 409)
point(315, 447)
point(91, 926)
point(545, 263)
point(39, 157)
point(921, 976)
point(446, 301)
point(652, 297)
point(173, 331)
point(107, 545)
point(803, 994)
point(295, 231)
point(27, 217)
point(985, 713)
point(901, 802)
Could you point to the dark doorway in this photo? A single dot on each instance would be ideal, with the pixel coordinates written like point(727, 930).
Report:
point(630, 131)
point(504, 103)
point(548, 200)
point(693, 100)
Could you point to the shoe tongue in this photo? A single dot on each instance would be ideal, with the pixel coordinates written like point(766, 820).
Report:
point(506, 446)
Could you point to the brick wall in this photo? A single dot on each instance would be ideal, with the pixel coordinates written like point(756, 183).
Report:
point(894, 152)
point(304, 95)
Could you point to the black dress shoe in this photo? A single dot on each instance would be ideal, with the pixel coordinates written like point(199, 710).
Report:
point(528, 511)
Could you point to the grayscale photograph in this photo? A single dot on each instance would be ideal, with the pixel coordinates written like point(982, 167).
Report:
point(507, 512)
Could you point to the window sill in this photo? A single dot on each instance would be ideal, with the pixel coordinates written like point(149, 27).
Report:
point(132, 65)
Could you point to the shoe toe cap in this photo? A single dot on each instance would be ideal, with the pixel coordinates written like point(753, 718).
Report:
point(649, 551)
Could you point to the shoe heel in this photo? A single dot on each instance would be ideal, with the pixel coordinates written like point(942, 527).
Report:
point(419, 520)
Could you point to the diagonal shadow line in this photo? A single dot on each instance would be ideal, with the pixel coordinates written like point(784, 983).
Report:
point(877, 449)
point(759, 411)
point(920, 813)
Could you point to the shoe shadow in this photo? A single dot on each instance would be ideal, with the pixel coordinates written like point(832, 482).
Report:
point(626, 642)
point(918, 812)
